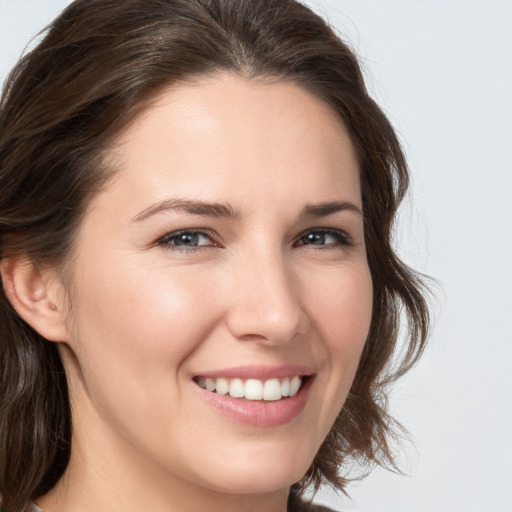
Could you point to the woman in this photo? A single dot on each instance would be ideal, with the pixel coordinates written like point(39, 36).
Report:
point(200, 300)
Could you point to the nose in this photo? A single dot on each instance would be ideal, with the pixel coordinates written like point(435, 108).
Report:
point(266, 303)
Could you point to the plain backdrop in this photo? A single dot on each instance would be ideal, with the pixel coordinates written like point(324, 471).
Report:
point(442, 71)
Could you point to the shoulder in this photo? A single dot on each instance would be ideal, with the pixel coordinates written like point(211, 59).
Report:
point(310, 507)
point(32, 507)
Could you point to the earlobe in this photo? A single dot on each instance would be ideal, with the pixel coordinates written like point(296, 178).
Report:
point(36, 296)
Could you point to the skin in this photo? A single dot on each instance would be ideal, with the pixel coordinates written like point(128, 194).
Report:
point(148, 316)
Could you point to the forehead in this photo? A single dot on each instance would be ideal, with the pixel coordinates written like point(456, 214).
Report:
point(224, 135)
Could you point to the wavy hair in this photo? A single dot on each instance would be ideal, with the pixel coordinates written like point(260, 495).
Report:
point(94, 69)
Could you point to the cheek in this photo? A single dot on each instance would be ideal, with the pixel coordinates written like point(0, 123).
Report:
point(342, 315)
point(145, 325)
point(342, 305)
point(135, 331)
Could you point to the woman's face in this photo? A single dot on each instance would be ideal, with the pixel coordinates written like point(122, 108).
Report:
point(228, 251)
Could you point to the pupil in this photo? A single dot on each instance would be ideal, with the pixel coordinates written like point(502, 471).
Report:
point(316, 238)
point(189, 239)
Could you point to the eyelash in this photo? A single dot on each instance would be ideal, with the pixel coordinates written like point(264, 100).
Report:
point(169, 237)
point(341, 238)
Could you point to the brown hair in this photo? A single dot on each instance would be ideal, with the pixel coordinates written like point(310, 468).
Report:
point(98, 63)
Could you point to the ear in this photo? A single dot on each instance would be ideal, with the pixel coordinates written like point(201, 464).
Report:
point(37, 295)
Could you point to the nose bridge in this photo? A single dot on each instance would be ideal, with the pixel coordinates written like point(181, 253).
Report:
point(268, 303)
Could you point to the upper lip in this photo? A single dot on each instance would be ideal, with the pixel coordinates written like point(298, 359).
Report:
point(258, 372)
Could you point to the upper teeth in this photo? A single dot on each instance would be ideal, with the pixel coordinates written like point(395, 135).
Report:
point(253, 389)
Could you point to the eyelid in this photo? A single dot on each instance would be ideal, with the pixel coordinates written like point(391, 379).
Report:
point(165, 239)
point(342, 237)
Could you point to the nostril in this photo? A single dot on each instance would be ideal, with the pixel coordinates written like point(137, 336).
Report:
point(270, 327)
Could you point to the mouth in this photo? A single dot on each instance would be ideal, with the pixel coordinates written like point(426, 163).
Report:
point(259, 396)
point(269, 390)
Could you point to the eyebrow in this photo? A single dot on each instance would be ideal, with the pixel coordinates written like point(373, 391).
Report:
point(325, 209)
point(193, 207)
point(207, 209)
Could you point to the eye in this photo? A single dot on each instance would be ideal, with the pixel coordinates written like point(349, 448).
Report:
point(188, 239)
point(324, 237)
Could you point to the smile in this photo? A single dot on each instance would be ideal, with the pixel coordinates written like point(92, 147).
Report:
point(259, 396)
point(252, 389)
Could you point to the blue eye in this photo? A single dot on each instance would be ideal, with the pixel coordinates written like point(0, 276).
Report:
point(192, 239)
point(324, 237)
point(188, 239)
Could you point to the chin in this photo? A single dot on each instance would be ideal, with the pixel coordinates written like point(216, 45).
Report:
point(258, 474)
point(257, 482)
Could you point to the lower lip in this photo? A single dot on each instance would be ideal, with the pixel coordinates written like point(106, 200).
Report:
point(259, 413)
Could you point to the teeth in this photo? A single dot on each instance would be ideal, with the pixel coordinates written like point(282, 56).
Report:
point(222, 386)
point(236, 388)
point(285, 387)
point(295, 385)
point(272, 390)
point(253, 389)
point(210, 384)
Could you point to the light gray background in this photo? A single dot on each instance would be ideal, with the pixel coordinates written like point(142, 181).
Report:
point(442, 70)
